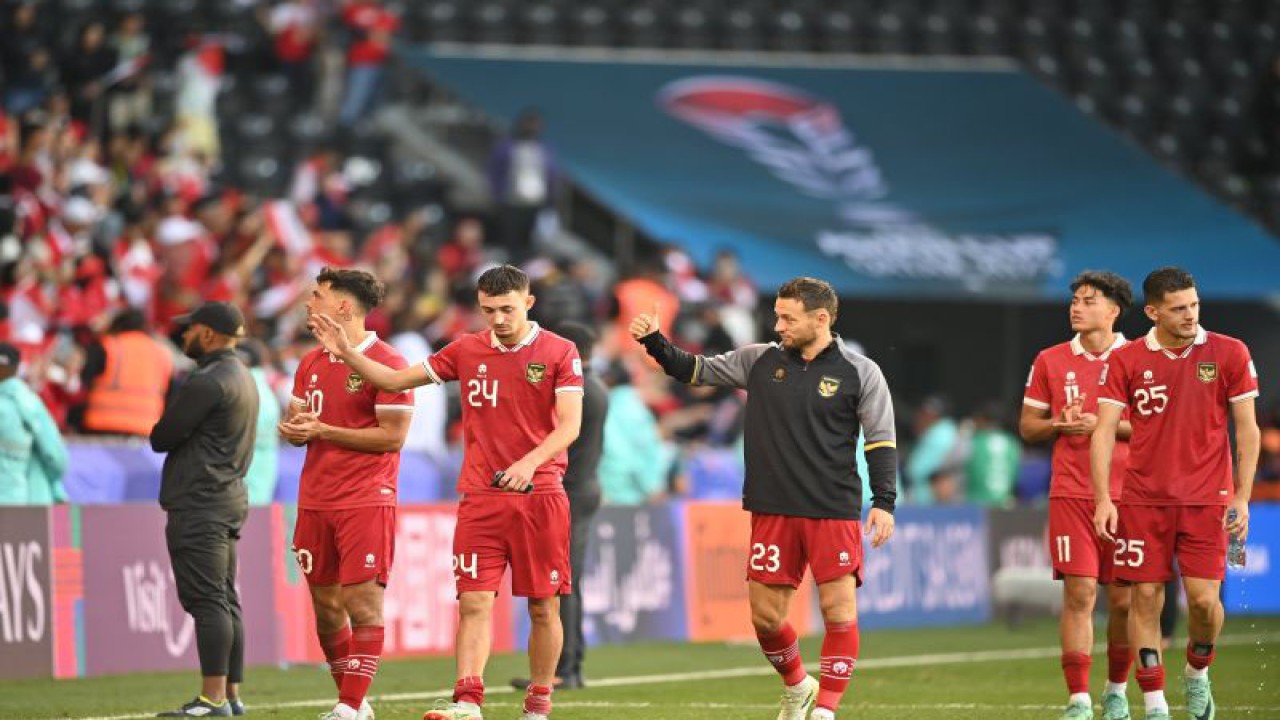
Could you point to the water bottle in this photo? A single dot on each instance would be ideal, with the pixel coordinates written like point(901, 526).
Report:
point(1235, 548)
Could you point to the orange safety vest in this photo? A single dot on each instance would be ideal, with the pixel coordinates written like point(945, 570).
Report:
point(128, 397)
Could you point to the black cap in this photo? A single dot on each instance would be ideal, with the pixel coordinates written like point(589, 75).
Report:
point(9, 355)
point(221, 317)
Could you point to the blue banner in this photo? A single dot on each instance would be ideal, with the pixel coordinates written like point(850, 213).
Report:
point(1255, 588)
point(932, 572)
point(887, 177)
point(633, 584)
point(633, 581)
point(101, 473)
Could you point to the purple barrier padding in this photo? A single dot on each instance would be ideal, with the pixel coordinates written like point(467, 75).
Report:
point(100, 474)
point(288, 471)
point(132, 619)
point(94, 475)
point(421, 480)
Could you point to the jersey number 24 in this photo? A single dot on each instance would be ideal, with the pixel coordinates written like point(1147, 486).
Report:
point(482, 390)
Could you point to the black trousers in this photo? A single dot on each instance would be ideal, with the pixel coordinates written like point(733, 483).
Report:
point(202, 550)
point(582, 508)
point(517, 223)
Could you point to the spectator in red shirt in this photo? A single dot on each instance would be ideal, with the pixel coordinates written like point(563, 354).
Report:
point(371, 26)
point(293, 32)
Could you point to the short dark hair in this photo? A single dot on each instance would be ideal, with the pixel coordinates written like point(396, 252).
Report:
point(1112, 286)
point(1163, 281)
point(501, 280)
point(361, 285)
point(580, 335)
point(813, 293)
point(129, 319)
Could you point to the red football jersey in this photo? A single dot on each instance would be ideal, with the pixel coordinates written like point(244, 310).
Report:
point(508, 401)
point(1178, 403)
point(333, 477)
point(1059, 375)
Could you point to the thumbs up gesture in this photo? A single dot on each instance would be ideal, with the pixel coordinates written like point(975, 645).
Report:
point(645, 325)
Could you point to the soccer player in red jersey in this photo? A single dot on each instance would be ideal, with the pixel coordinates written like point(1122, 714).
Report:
point(1061, 404)
point(521, 409)
point(344, 540)
point(1180, 384)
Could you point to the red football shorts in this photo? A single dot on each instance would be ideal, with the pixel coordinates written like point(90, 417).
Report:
point(782, 546)
point(528, 532)
point(1150, 536)
point(345, 547)
point(1074, 546)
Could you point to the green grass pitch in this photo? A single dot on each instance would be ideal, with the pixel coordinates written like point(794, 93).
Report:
point(953, 673)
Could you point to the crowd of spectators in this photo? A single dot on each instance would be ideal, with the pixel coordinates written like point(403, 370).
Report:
point(117, 215)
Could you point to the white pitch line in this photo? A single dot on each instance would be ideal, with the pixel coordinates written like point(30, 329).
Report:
point(761, 670)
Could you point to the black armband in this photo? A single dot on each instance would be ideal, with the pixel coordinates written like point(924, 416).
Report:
point(882, 469)
point(675, 362)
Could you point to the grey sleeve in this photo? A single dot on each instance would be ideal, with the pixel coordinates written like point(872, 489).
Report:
point(875, 414)
point(729, 369)
point(875, 407)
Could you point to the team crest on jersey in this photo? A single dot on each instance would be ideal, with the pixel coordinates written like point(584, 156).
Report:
point(779, 374)
point(355, 383)
point(535, 372)
point(1207, 372)
point(828, 386)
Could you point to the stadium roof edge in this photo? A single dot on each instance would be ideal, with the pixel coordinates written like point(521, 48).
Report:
point(727, 58)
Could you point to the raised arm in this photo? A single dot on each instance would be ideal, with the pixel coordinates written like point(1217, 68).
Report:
point(729, 369)
point(335, 341)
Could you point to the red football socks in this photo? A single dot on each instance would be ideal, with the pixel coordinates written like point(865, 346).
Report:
point(839, 653)
point(362, 664)
point(469, 690)
point(538, 700)
point(1075, 670)
point(1119, 660)
point(336, 646)
point(783, 650)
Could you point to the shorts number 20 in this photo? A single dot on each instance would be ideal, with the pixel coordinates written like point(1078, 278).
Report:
point(764, 558)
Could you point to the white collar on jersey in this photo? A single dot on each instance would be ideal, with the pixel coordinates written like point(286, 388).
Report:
point(1077, 347)
point(528, 339)
point(1202, 337)
point(369, 339)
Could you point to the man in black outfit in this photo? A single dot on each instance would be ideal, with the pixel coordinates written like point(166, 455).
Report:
point(583, 488)
point(808, 398)
point(208, 429)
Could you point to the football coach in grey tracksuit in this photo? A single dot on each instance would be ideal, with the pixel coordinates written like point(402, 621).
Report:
point(807, 399)
point(208, 430)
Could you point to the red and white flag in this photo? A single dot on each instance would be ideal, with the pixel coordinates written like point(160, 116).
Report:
point(293, 236)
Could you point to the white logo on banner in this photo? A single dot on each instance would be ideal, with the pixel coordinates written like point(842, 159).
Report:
point(22, 611)
point(928, 568)
point(617, 594)
point(804, 142)
point(146, 591)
